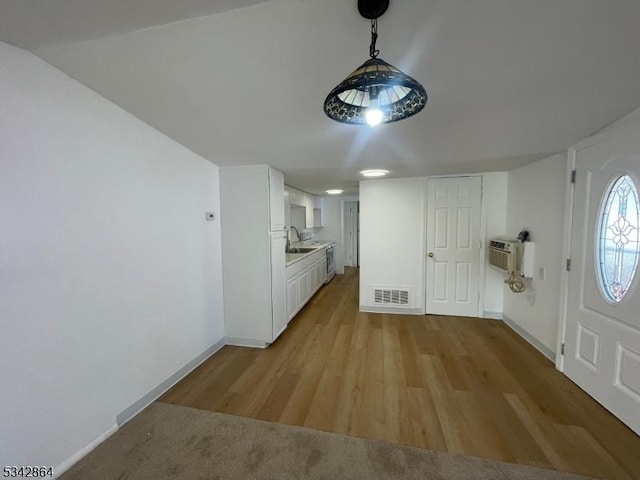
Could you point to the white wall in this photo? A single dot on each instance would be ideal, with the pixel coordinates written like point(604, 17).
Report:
point(536, 202)
point(392, 230)
point(494, 212)
point(110, 279)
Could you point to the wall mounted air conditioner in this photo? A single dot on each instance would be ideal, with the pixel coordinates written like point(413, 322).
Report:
point(506, 254)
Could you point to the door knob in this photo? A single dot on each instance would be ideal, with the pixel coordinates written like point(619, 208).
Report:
point(430, 254)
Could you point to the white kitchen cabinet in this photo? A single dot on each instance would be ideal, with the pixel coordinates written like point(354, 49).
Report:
point(296, 197)
point(276, 200)
point(311, 204)
point(312, 280)
point(278, 275)
point(316, 279)
point(317, 218)
point(308, 205)
point(304, 290)
point(253, 254)
point(317, 212)
point(287, 208)
point(321, 271)
point(304, 278)
point(293, 299)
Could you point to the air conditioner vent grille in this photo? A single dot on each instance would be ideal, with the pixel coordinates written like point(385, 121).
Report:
point(499, 258)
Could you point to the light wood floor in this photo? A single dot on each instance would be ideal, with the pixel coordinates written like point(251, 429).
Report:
point(462, 385)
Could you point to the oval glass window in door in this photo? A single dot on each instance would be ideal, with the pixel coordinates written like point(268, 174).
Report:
point(618, 245)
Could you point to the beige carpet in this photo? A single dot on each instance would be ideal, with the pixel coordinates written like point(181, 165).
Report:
point(171, 442)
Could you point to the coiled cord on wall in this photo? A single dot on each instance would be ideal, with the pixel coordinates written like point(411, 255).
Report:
point(515, 283)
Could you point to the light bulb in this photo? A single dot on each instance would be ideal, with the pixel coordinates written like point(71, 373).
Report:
point(373, 116)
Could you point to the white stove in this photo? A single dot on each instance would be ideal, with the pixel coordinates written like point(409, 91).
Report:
point(331, 262)
point(331, 259)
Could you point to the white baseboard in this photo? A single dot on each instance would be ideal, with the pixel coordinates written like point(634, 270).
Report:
point(130, 412)
point(135, 408)
point(76, 457)
point(246, 342)
point(493, 315)
point(398, 310)
point(547, 352)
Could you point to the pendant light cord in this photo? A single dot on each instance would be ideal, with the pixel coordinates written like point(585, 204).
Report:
point(373, 53)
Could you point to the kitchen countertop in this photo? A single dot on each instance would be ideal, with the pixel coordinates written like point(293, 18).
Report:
point(292, 258)
point(326, 242)
point(313, 243)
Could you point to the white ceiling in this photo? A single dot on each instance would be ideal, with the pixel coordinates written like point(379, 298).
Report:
point(34, 24)
point(509, 81)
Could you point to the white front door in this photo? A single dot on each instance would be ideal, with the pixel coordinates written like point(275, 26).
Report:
point(453, 245)
point(602, 337)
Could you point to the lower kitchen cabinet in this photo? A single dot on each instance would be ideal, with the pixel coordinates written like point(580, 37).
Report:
point(304, 287)
point(303, 280)
point(293, 297)
point(321, 271)
point(278, 290)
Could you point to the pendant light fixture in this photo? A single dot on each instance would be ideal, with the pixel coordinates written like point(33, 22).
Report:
point(376, 92)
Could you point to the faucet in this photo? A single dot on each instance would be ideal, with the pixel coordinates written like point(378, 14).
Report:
point(288, 247)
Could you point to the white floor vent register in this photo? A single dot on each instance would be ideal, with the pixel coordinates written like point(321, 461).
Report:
point(390, 296)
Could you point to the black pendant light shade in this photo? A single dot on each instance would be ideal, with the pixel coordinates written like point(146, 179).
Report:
point(376, 92)
point(398, 95)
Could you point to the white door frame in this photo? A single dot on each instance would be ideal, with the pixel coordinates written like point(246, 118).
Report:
point(482, 234)
point(566, 254)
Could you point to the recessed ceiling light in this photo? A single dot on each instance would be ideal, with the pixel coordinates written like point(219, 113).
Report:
point(374, 173)
point(335, 191)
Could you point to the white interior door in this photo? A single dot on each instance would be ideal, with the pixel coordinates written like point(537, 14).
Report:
point(453, 245)
point(351, 225)
point(602, 337)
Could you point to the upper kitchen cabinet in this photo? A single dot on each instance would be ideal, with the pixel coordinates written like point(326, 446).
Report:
point(255, 197)
point(296, 197)
point(311, 204)
point(287, 208)
point(314, 211)
point(308, 204)
point(276, 200)
point(317, 212)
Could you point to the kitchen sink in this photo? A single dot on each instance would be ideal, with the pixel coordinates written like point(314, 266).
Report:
point(301, 250)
